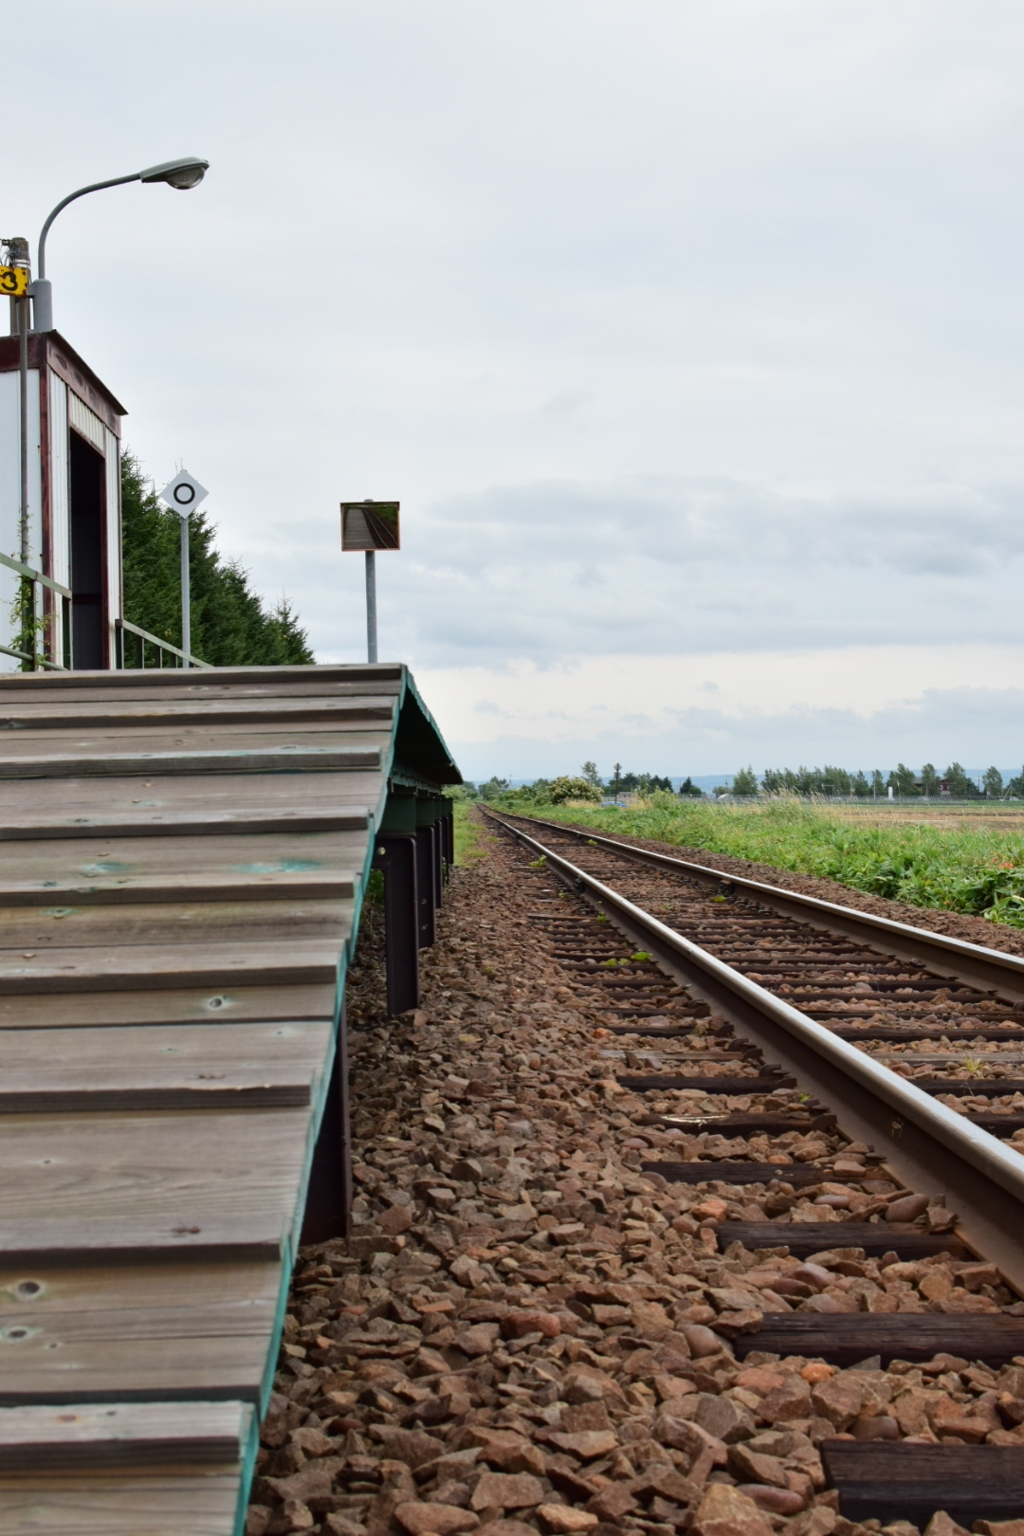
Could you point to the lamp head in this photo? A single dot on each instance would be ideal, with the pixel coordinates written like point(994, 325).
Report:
point(187, 171)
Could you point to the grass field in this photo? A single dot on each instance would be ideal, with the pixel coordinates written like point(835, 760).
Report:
point(470, 836)
point(962, 859)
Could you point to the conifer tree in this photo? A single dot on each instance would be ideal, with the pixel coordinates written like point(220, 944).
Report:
point(231, 627)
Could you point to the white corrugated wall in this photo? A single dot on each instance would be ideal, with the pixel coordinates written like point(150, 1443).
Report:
point(60, 506)
point(10, 495)
point(86, 421)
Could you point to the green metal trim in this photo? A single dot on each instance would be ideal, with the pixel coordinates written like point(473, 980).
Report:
point(399, 815)
point(32, 575)
point(37, 660)
point(164, 645)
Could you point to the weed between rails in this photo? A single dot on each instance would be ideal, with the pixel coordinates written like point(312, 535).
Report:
point(979, 871)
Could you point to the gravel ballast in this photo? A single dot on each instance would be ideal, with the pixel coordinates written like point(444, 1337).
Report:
point(525, 1334)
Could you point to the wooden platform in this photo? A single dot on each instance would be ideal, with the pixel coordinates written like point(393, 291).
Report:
point(183, 859)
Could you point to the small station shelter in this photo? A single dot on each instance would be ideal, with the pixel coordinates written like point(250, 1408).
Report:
point(74, 502)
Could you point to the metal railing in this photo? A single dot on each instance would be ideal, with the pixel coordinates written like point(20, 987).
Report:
point(34, 621)
point(142, 638)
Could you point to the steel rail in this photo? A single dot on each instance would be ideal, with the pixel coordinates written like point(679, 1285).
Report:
point(931, 1149)
point(992, 969)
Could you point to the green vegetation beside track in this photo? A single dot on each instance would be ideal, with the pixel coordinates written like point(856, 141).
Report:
point(960, 864)
point(471, 836)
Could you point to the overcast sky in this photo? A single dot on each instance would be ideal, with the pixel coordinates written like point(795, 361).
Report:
point(690, 336)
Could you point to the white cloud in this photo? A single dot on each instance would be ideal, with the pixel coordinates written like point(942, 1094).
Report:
point(680, 331)
point(856, 707)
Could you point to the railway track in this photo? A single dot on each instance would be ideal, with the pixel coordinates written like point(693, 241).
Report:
point(748, 1026)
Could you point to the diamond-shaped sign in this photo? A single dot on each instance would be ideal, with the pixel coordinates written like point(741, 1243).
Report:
point(184, 493)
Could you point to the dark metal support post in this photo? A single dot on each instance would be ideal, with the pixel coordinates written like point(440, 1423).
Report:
point(396, 857)
point(425, 878)
point(438, 849)
point(329, 1198)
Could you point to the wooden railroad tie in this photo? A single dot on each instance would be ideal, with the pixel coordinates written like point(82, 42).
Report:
point(896, 1481)
point(750, 1173)
point(768, 1082)
point(804, 1238)
point(847, 1338)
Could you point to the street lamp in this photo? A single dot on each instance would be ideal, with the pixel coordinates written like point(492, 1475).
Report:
point(185, 172)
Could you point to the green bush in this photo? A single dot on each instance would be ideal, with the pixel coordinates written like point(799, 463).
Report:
point(564, 788)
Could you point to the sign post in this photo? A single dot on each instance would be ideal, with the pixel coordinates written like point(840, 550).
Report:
point(369, 526)
point(183, 495)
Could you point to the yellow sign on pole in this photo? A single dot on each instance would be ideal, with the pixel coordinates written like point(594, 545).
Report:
point(14, 281)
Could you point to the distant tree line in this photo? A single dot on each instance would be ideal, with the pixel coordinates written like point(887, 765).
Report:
point(828, 781)
point(903, 781)
point(231, 624)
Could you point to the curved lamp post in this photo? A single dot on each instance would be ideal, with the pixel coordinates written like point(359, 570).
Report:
point(185, 172)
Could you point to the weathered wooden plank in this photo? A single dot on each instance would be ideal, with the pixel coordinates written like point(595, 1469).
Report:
point(173, 1005)
point(140, 922)
point(185, 1367)
point(342, 731)
point(887, 1482)
point(94, 860)
point(90, 1094)
point(172, 1331)
point(181, 1169)
point(142, 1051)
point(111, 715)
point(844, 1338)
point(258, 759)
point(137, 1291)
point(172, 965)
point(144, 923)
point(126, 889)
point(112, 697)
point(803, 1238)
point(176, 687)
point(231, 803)
point(184, 823)
point(62, 1071)
point(371, 673)
point(239, 791)
point(33, 1242)
point(123, 1435)
point(158, 1504)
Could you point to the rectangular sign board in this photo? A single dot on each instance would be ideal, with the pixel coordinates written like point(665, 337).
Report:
point(369, 525)
point(14, 281)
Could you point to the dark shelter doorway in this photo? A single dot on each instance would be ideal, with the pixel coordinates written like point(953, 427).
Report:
point(87, 484)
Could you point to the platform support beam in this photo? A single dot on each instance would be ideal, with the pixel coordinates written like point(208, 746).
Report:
point(396, 858)
point(329, 1197)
